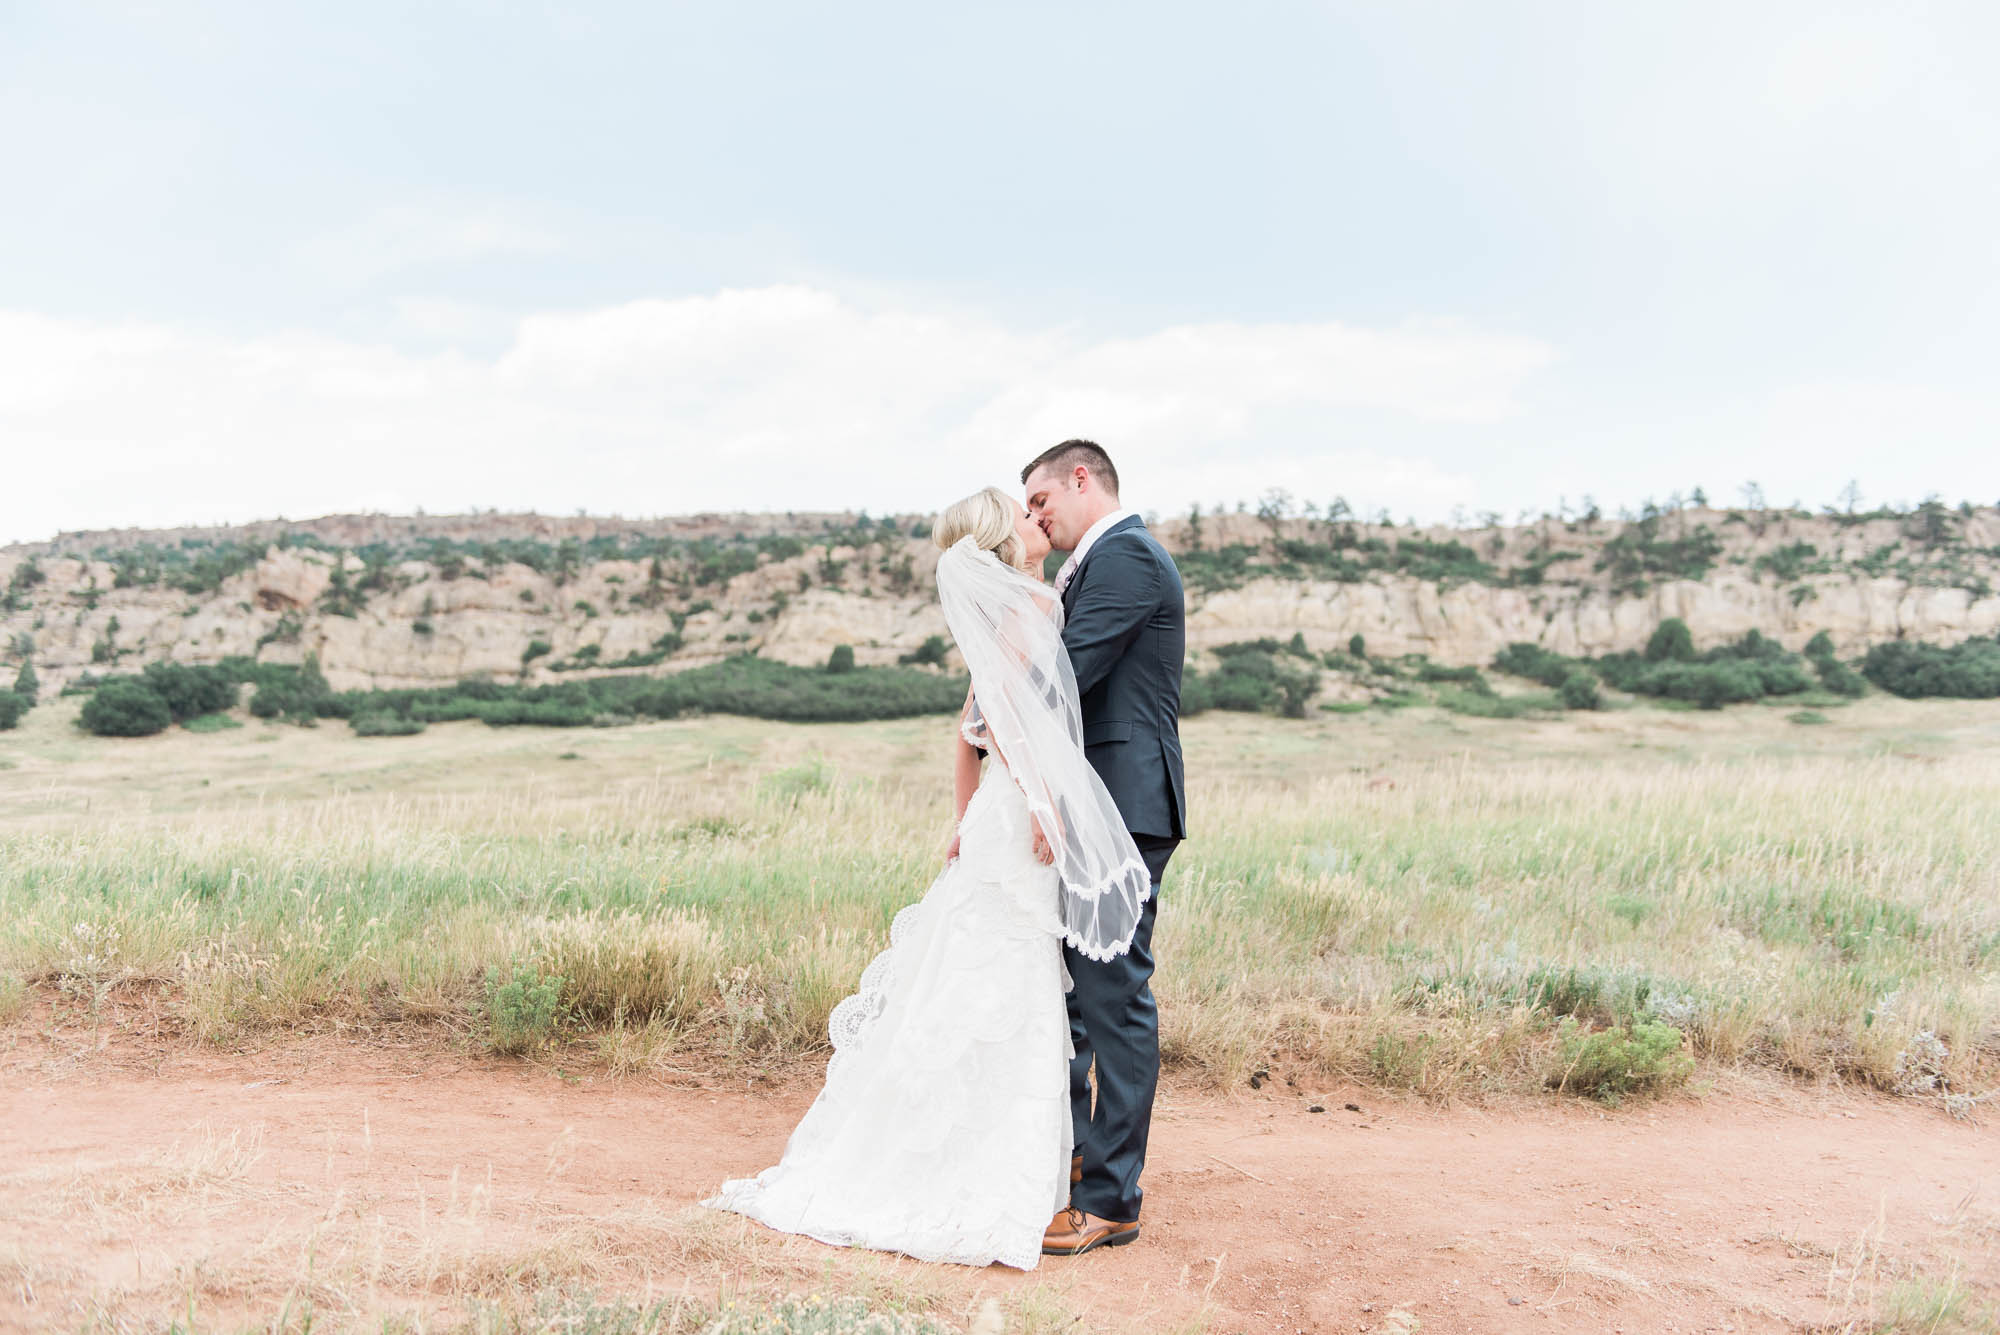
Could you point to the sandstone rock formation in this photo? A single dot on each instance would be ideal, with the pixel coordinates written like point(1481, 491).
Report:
point(420, 625)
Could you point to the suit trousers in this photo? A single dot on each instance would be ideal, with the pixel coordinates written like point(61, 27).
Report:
point(1116, 1029)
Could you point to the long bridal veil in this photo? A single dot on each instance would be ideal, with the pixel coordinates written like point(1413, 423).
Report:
point(1009, 630)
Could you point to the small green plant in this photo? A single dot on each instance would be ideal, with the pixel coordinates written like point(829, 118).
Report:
point(1611, 1063)
point(1357, 647)
point(1806, 716)
point(12, 707)
point(841, 659)
point(13, 996)
point(521, 1010)
point(211, 723)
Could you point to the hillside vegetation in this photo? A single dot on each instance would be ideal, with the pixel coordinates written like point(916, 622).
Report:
point(398, 621)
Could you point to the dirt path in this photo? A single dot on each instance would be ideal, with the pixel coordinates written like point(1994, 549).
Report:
point(374, 1180)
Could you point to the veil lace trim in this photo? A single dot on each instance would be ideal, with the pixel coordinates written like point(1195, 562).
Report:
point(1008, 628)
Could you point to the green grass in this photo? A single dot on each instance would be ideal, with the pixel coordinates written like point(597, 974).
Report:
point(714, 888)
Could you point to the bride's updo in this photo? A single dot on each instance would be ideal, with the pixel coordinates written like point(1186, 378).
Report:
point(987, 517)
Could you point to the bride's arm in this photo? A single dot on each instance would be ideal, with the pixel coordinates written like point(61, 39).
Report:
point(964, 776)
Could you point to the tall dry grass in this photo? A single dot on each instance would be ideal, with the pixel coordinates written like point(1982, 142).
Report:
point(1810, 912)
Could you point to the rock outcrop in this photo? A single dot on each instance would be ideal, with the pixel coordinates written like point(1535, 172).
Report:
point(410, 622)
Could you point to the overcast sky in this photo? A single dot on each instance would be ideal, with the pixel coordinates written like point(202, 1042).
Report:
point(652, 258)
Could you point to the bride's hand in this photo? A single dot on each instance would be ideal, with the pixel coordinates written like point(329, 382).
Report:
point(1044, 854)
point(951, 853)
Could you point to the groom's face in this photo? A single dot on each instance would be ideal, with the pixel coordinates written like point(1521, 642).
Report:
point(1057, 505)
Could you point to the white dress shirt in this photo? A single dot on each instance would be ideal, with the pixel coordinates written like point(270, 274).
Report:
point(1090, 536)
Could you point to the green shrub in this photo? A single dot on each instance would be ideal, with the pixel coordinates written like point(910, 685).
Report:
point(1521, 659)
point(1579, 690)
point(1209, 571)
point(12, 709)
point(522, 1009)
point(841, 659)
point(536, 649)
point(1807, 716)
point(27, 685)
point(1253, 677)
point(385, 725)
point(1969, 670)
point(1839, 678)
point(1614, 1062)
point(1468, 676)
point(930, 653)
point(1708, 685)
point(211, 723)
point(125, 707)
point(1639, 553)
point(299, 694)
point(190, 691)
point(1356, 646)
point(1671, 642)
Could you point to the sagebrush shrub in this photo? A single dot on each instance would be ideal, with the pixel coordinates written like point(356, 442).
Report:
point(522, 1009)
point(1614, 1062)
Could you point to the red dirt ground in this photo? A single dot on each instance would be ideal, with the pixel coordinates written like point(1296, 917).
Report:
point(1757, 1207)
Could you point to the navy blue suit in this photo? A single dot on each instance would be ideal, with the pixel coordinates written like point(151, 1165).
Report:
point(1125, 627)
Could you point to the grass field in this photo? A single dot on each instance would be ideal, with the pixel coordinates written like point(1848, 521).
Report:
point(1411, 899)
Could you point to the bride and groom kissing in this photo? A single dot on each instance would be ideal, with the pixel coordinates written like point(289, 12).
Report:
point(992, 1079)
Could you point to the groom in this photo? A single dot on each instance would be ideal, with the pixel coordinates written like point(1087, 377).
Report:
point(1125, 629)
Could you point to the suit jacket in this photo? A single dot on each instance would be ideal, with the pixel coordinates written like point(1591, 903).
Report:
point(1125, 627)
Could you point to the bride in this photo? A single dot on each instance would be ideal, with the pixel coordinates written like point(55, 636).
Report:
point(943, 1128)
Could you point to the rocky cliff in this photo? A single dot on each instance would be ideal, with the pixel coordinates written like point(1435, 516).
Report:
point(424, 600)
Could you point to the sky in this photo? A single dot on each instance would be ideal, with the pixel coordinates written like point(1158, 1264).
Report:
point(1441, 259)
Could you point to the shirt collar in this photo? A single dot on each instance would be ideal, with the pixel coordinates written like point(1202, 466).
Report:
point(1098, 530)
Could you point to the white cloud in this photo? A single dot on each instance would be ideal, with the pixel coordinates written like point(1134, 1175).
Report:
point(772, 398)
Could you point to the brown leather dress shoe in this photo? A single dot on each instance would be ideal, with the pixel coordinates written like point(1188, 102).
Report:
point(1072, 1233)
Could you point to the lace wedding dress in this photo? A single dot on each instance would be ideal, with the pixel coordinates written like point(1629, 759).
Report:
point(943, 1129)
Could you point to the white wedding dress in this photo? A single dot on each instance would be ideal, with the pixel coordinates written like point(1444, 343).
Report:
point(943, 1129)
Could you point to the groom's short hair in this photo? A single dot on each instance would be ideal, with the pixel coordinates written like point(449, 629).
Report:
point(1068, 455)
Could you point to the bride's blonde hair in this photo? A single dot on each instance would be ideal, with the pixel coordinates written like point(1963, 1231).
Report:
point(987, 517)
